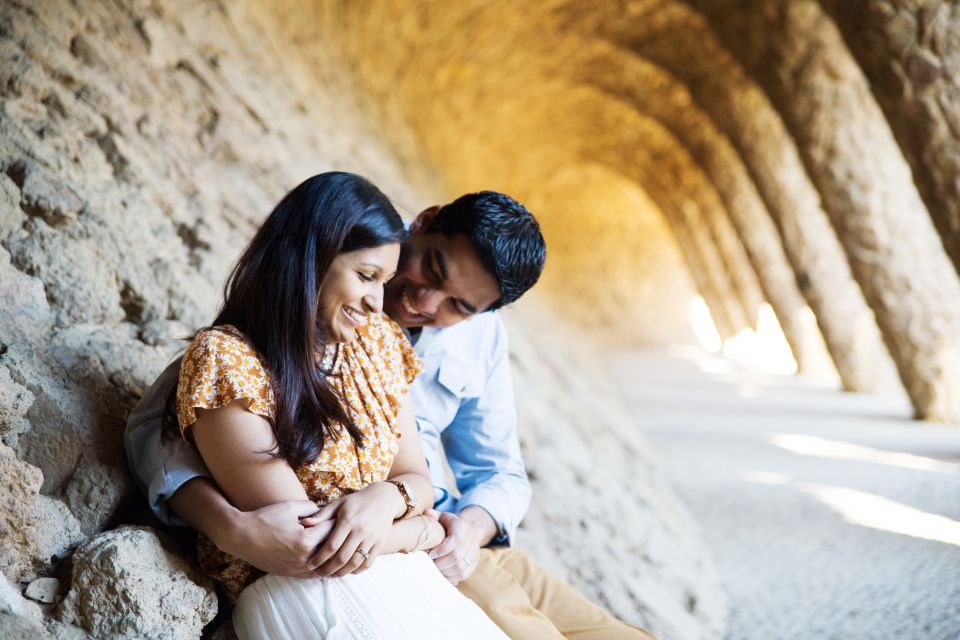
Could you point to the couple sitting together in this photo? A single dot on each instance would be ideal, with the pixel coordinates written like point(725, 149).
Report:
point(303, 433)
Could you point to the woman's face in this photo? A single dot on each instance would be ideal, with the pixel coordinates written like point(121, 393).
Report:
point(353, 287)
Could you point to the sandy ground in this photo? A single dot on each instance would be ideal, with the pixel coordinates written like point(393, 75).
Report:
point(829, 515)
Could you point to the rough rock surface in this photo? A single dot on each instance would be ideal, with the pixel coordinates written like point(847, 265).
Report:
point(35, 530)
point(131, 583)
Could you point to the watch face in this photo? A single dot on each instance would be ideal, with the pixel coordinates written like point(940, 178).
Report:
point(409, 490)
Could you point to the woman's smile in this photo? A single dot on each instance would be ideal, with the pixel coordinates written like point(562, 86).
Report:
point(354, 317)
point(353, 289)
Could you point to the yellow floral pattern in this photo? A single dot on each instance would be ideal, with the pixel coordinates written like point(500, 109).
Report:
point(371, 375)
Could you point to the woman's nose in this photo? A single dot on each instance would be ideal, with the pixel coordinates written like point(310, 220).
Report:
point(373, 301)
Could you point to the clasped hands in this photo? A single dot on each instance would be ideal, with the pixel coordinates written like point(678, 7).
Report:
point(295, 539)
point(359, 526)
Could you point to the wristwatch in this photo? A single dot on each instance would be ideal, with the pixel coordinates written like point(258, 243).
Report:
point(406, 491)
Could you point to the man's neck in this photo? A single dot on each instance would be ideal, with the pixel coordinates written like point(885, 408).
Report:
point(413, 333)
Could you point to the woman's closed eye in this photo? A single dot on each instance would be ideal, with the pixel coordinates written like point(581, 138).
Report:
point(366, 277)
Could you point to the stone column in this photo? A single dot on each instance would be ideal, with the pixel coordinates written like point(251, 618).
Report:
point(743, 113)
point(797, 55)
point(660, 96)
point(910, 52)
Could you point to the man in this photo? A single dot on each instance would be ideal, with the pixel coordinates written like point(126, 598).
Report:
point(461, 263)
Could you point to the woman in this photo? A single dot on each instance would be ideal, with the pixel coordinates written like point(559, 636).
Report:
point(298, 391)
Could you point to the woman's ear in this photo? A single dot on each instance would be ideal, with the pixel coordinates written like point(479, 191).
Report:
point(423, 218)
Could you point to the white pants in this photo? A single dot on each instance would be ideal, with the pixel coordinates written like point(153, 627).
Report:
point(402, 596)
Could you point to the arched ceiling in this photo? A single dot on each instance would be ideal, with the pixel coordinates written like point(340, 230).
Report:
point(529, 98)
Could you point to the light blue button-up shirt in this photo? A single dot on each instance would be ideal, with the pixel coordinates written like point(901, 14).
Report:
point(463, 402)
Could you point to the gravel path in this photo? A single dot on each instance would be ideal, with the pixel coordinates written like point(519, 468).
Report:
point(829, 515)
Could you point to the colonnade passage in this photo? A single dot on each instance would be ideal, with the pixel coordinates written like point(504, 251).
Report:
point(798, 154)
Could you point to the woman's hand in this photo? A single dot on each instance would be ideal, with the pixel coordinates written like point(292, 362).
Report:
point(363, 523)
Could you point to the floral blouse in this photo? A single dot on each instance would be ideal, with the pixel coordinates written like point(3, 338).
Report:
point(371, 375)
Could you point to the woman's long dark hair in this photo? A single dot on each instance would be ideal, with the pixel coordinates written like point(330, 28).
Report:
point(272, 297)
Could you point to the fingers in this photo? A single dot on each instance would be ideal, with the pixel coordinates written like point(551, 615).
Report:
point(448, 546)
point(345, 556)
point(302, 508)
point(333, 544)
point(368, 562)
point(314, 520)
point(456, 567)
point(329, 510)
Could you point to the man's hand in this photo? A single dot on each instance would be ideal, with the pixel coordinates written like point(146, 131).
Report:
point(279, 538)
point(456, 557)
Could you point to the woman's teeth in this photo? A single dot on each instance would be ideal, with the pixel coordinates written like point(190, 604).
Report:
point(353, 315)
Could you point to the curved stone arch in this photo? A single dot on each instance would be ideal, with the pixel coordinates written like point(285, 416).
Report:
point(744, 114)
point(681, 190)
point(658, 94)
point(650, 155)
point(621, 73)
point(464, 99)
point(803, 65)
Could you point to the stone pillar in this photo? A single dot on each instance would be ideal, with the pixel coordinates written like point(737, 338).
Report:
point(797, 55)
point(910, 52)
point(703, 265)
point(660, 96)
point(743, 113)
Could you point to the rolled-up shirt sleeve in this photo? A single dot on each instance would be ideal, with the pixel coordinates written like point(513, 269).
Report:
point(160, 466)
point(483, 450)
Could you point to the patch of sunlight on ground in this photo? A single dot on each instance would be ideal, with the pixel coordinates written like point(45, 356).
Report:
point(867, 509)
point(834, 449)
point(877, 512)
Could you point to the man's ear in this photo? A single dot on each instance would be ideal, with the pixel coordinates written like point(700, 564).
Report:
point(423, 218)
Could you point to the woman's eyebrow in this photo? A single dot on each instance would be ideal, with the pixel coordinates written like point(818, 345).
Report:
point(371, 265)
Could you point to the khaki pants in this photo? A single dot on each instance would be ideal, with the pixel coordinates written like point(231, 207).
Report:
point(528, 603)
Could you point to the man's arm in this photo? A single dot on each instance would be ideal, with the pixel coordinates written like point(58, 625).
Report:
point(181, 493)
point(483, 451)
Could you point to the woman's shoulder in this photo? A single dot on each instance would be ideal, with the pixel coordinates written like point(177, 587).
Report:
point(223, 338)
point(219, 366)
point(223, 349)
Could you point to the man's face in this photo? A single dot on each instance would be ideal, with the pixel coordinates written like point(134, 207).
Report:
point(440, 280)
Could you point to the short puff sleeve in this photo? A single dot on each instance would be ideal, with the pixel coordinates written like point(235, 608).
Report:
point(221, 366)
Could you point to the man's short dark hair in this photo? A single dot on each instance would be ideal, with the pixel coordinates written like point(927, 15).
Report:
point(505, 236)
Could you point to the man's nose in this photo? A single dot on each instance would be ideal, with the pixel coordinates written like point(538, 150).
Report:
point(428, 300)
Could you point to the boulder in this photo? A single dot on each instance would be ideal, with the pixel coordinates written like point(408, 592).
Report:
point(131, 583)
point(35, 530)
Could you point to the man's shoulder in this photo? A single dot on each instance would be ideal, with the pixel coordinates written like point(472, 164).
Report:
point(153, 403)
